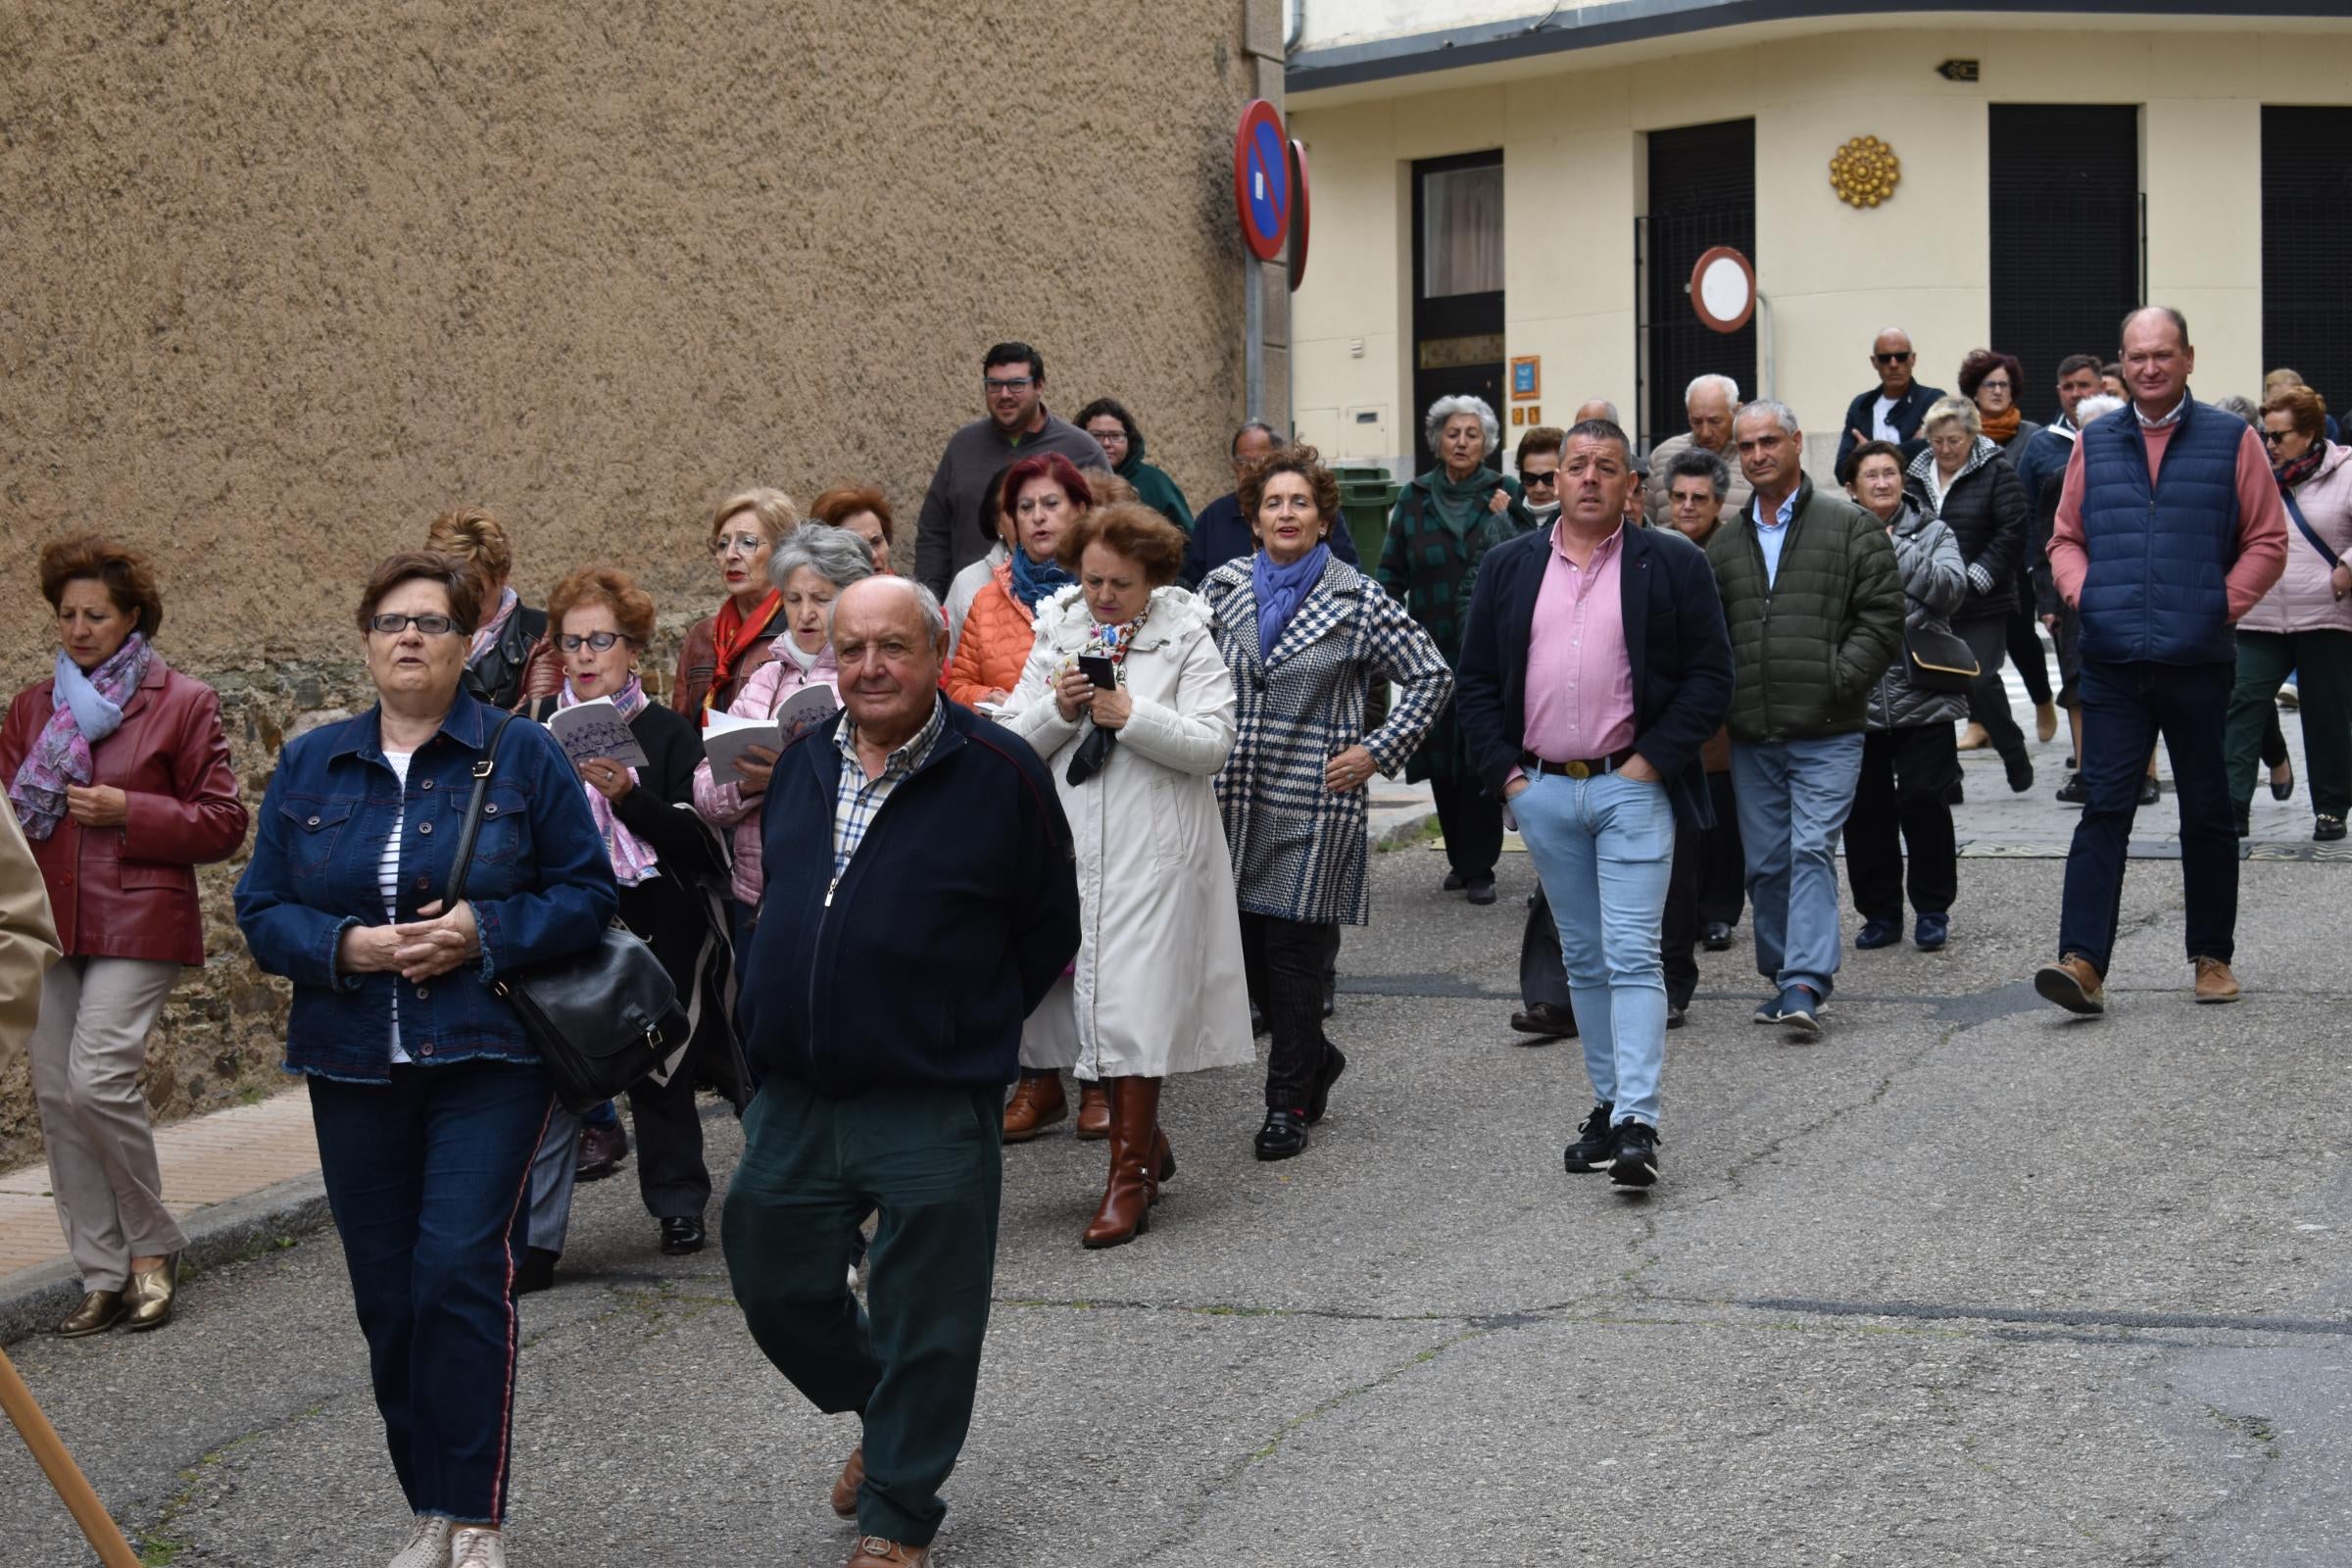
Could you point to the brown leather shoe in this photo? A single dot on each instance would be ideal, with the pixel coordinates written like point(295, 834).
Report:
point(875, 1552)
point(149, 1297)
point(1136, 1160)
point(99, 1312)
point(2215, 982)
point(2073, 984)
point(602, 1150)
point(845, 1490)
point(1036, 1104)
point(1094, 1112)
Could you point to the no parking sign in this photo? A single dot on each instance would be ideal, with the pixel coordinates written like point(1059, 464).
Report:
point(1261, 180)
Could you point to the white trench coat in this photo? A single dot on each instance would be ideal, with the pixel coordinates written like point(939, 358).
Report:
point(1160, 987)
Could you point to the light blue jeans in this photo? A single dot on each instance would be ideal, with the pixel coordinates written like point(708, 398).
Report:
point(1794, 797)
point(1604, 849)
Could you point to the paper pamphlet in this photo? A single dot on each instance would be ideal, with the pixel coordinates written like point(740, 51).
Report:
point(594, 729)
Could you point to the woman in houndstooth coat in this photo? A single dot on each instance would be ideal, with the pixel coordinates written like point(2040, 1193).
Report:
point(1305, 635)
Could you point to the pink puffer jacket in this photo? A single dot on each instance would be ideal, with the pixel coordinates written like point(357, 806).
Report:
point(724, 805)
point(2303, 599)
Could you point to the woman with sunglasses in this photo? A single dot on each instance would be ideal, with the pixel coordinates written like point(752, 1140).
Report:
point(426, 1092)
point(721, 649)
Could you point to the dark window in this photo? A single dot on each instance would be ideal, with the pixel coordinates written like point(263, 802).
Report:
point(1703, 193)
point(2306, 238)
point(2066, 239)
point(1458, 289)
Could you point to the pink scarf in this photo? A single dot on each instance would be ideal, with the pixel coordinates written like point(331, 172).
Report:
point(485, 636)
point(632, 857)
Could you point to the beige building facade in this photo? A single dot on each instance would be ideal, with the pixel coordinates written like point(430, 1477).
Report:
point(1983, 237)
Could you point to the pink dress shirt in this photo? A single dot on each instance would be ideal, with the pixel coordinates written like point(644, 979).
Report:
point(1579, 679)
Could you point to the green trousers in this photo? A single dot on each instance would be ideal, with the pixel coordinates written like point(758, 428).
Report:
point(927, 1163)
point(2321, 664)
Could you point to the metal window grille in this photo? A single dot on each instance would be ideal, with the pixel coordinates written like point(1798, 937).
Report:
point(2066, 231)
point(2306, 237)
point(1703, 193)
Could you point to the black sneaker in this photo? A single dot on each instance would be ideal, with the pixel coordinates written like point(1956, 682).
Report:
point(2021, 773)
point(1637, 1162)
point(1596, 1143)
point(1333, 1064)
point(1478, 889)
point(1282, 1136)
point(1718, 938)
point(2074, 792)
point(2149, 794)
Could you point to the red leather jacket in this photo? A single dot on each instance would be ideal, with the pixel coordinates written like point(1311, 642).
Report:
point(130, 891)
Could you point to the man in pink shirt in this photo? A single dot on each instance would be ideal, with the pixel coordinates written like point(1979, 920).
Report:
point(1594, 664)
point(2169, 529)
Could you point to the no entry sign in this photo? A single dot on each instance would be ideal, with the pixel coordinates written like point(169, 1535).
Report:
point(1261, 179)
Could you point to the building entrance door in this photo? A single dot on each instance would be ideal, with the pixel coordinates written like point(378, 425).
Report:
point(2306, 234)
point(1703, 193)
point(2066, 235)
point(1458, 287)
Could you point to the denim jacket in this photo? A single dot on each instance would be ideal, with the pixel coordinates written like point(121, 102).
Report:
point(541, 886)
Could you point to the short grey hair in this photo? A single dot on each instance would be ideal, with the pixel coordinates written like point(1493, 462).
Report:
point(2243, 407)
point(836, 555)
point(926, 604)
point(1444, 409)
point(1773, 407)
point(1729, 387)
point(2093, 407)
point(1697, 462)
point(1953, 410)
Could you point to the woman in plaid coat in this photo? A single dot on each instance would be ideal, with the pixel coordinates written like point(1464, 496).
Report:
point(1305, 634)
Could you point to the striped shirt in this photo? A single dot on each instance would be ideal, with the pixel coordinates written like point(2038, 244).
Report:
point(860, 798)
point(387, 882)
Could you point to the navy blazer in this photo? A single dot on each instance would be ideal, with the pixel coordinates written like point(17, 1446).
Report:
point(1674, 634)
point(1905, 415)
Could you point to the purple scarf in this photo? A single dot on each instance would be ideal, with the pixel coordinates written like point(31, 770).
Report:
point(88, 708)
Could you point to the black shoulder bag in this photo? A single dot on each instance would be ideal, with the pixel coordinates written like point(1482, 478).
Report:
point(601, 1017)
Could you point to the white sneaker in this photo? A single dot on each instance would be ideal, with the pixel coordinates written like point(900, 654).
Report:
point(428, 1544)
point(473, 1548)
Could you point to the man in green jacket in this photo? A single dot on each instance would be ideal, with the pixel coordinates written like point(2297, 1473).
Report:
point(1815, 605)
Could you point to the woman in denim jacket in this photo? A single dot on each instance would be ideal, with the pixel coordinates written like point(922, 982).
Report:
point(425, 1090)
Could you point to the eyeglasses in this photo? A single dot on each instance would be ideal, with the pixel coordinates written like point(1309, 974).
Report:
point(600, 641)
point(431, 625)
point(1889, 359)
point(738, 544)
point(1009, 383)
point(1992, 386)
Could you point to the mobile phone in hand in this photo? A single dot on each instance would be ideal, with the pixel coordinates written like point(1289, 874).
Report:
point(1101, 670)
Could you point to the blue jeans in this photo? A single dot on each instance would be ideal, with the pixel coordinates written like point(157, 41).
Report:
point(426, 1176)
point(1604, 849)
point(1794, 797)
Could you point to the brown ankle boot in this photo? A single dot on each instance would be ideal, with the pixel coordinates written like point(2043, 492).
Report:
point(1036, 1104)
point(1163, 1161)
point(1094, 1112)
point(1135, 1147)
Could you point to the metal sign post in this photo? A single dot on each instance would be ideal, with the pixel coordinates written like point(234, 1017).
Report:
point(1262, 188)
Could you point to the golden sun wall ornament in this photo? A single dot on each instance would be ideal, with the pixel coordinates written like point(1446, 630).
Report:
point(1864, 171)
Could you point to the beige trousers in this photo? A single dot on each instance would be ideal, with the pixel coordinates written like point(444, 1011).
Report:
point(87, 1053)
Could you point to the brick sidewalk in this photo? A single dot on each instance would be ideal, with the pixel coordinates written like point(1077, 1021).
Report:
point(206, 1159)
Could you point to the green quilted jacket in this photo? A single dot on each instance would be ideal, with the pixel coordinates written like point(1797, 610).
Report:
point(1809, 648)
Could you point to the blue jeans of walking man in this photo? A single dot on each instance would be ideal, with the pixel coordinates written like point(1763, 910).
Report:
point(1793, 797)
point(1604, 848)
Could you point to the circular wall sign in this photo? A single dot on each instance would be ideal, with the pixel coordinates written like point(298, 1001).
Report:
point(1864, 171)
point(1722, 289)
point(1301, 211)
point(1261, 179)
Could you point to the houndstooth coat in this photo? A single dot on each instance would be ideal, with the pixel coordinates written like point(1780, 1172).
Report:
point(1299, 849)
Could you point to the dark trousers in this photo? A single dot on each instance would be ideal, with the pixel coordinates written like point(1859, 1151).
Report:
point(1989, 698)
point(425, 1177)
point(2025, 648)
point(2265, 658)
point(1472, 822)
point(1543, 971)
point(1901, 795)
point(2125, 708)
point(1722, 860)
point(1284, 962)
point(929, 1160)
point(1677, 926)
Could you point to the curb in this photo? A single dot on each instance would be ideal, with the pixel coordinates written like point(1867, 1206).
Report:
point(34, 1299)
point(1405, 828)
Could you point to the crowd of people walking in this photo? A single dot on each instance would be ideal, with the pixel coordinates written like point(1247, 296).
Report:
point(1101, 762)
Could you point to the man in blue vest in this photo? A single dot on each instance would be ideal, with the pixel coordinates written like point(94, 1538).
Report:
point(2169, 529)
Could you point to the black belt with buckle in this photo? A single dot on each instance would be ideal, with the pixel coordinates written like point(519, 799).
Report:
point(1581, 767)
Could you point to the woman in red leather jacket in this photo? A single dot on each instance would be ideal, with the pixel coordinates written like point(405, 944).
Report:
point(117, 770)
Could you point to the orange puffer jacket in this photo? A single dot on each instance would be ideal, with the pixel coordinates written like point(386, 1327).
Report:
point(995, 645)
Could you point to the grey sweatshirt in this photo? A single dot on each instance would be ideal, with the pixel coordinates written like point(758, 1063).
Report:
point(952, 533)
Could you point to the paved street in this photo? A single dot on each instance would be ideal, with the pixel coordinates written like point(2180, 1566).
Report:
point(1965, 1281)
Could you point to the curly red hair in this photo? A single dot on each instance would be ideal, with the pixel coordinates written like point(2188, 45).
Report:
point(129, 575)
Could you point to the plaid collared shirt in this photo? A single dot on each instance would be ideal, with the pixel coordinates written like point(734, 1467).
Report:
point(860, 798)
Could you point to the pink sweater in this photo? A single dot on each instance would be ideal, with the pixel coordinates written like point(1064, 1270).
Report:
point(725, 805)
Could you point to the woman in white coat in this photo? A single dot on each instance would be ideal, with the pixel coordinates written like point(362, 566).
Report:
point(1158, 987)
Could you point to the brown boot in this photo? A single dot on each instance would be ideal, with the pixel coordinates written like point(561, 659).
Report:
point(875, 1552)
point(2215, 982)
point(1036, 1104)
point(845, 1490)
point(1134, 1166)
point(2074, 983)
point(1094, 1112)
point(1163, 1161)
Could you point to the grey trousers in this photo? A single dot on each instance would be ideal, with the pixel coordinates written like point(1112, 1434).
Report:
point(87, 1053)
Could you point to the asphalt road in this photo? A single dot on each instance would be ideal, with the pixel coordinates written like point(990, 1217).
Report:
point(1964, 1282)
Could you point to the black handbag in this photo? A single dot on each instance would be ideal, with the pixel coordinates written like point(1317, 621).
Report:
point(1938, 659)
point(601, 1017)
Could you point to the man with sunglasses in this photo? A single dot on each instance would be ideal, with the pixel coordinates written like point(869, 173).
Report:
point(955, 528)
point(1892, 409)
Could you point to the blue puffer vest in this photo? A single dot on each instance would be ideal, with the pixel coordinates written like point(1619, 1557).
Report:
point(2160, 555)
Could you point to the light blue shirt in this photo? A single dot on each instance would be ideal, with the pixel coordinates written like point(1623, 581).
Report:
point(1774, 534)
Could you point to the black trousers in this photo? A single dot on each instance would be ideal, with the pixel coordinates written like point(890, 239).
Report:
point(1283, 961)
point(1899, 806)
point(1678, 929)
point(1989, 698)
point(1722, 860)
point(2025, 648)
point(1472, 822)
point(1543, 971)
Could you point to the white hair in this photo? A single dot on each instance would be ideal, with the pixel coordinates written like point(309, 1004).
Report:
point(1444, 409)
point(1780, 413)
point(2093, 407)
point(1730, 388)
point(836, 555)
point(926, 605)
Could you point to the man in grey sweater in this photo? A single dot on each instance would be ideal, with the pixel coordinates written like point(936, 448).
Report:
point(954, 529)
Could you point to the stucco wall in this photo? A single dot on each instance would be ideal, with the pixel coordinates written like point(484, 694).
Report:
point(1572, 162)
point(282, 284)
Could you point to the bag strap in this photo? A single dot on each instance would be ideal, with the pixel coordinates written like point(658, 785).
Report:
point(462, 861)
point(2295, 512)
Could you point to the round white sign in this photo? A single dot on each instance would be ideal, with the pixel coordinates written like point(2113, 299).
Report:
point(1722, 289)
